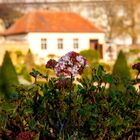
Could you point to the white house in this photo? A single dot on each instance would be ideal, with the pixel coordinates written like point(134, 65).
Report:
point(52, 34)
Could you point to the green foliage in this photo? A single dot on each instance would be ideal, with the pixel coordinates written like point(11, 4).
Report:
point(121, 71)
point(134, 51)
point(8, 76)
point(61, 109)
point(28, 65)
point(29, 60)
point(121, 68)
point(91, 55)
point(0, 82)
point(25, 73)
point(23, 69)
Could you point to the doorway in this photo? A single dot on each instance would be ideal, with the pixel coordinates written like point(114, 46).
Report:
point(94, 44)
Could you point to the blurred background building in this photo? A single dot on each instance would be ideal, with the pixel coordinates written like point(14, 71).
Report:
point(119, 19)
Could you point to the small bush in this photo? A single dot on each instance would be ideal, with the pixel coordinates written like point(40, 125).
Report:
point(91, 55)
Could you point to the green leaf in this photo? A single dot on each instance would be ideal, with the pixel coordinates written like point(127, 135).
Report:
point(8, 107)
point(82, 112)
point(82, 91)
point(28, 111)
point(108, 78)
point(3, 120)
point(100, 70)
point(137, 107)
point(32, 123)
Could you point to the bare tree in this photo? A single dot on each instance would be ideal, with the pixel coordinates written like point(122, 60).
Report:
point(128, 18)
point(112, 10)
point(9, 14)
point(131, 7)
point(121, 18)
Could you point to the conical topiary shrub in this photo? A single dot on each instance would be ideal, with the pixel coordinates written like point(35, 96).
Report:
point(121, 71)
point(28, 66)
point(29, 60)
point(8, 76)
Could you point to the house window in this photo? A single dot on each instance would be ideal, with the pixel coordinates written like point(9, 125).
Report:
point(43, 43)
point(60, 43)
point(75, 43)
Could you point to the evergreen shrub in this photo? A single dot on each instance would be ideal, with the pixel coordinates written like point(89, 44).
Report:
point(8, 76)
point(121, 72)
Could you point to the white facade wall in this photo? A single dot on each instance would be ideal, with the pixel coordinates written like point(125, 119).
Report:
point(19, 37)
point(34, 40)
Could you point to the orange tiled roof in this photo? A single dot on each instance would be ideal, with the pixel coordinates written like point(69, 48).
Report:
point(44, 21)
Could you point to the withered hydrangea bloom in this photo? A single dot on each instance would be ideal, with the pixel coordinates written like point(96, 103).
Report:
point(63, 83)
point(25, 136)
point(51, 63)
point(70, 64)
point(136, 66)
